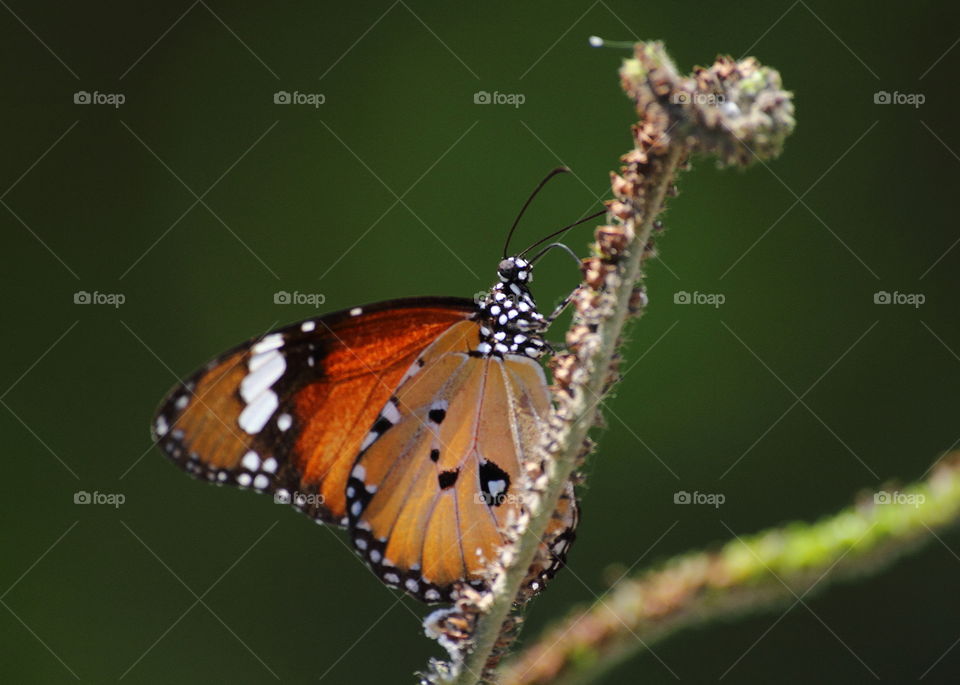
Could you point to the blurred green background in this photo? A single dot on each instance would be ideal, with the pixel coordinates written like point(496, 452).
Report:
point(294, 197)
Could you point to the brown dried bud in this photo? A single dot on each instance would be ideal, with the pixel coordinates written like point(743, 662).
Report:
point(587, 300)
point(622, 188)
point(638, 300)
point(576, 335)
point(562, 366)
point(621, 210)
point(613, 239)
point(634, 158)
point(595, 271)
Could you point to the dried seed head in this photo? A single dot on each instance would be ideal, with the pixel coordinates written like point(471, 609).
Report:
point(613, 240)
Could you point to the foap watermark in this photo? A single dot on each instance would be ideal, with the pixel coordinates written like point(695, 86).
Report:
point(97, 297)
point(483, 97)
point(714, 499)
point(299, 499)
point(896, 297)
point(707, 99)
point(297, 297)
point(914, 499)
point(696, 297)
point(84, 97)
point(285, 97)
point(481, 296)
point(883, 97)
point(492, 500)
point(113, 499)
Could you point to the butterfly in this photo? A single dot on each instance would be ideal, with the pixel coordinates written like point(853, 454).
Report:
point(408, 422)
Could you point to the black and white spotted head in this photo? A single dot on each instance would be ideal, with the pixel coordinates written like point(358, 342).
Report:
point(510, 322)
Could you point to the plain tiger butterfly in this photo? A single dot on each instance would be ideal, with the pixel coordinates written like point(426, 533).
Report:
point(406, 421)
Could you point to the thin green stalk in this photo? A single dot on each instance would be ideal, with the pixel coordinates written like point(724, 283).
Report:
point(748, 574)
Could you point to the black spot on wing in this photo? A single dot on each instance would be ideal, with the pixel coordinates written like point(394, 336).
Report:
point(494, 483)
point(381, 426)
point(446, 479)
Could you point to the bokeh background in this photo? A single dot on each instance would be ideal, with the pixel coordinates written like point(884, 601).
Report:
point(198, 198)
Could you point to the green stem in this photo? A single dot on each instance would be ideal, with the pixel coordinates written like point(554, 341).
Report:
point(748, 574)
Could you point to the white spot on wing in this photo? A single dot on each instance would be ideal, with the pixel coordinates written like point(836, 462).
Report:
point(270, 342)
point(414, 368)
point(308, 326)
point(368, 440)
point(391, 413)
point(251, 461)
point(284, 421)
point(265, 375)
point(255, 415)
point(162, 426)
point(356, 311)
point(258, 360)
point(495, 487)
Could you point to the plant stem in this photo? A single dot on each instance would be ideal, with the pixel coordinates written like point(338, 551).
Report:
point(748, 574)
point(677, 115)
point(570, 435)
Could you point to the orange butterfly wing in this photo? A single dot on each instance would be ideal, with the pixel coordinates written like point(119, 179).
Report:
point(287, 413)
point(439, 474)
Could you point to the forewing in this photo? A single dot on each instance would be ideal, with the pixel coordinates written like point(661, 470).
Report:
point(287, 412)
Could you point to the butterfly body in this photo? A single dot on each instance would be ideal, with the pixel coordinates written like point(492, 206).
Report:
point(409, 422)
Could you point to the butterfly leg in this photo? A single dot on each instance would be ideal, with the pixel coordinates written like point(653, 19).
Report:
point(561, 307)
point(556, 346)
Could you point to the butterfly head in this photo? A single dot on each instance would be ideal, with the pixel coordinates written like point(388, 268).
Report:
point(515, 270)
point(510, 322)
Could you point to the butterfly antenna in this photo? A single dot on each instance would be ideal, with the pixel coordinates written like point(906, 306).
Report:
point(547, 248)
point(598, 42)
point(554, 172)
point(563, 230)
